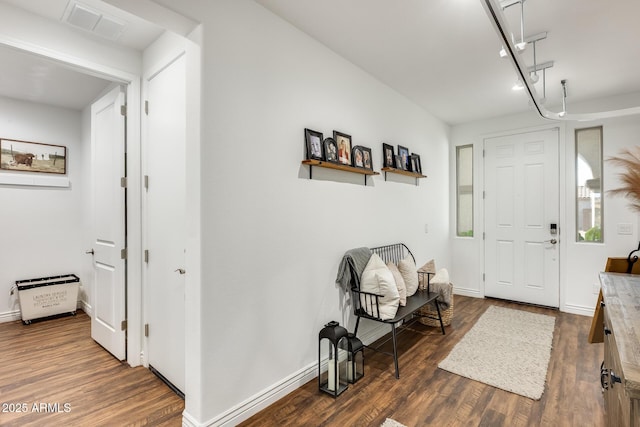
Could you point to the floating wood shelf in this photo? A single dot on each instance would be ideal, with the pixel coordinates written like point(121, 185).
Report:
point(415, 175)
point(321, 163)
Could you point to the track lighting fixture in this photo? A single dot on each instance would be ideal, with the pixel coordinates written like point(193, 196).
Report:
point(526, 75)
point(564, 98)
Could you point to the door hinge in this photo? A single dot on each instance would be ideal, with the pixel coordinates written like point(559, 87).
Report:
point(123, 325)
point(146, 255)
point(483, 277)
point(483, 152)
point(483, 235)
point(146, 182)
point(146, 329)
point(483, 195)
point(123, 253)
point(146, 107)
point(123, 110)
point(123, 182)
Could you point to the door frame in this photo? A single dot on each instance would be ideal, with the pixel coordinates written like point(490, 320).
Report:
point(134, 215)
point(563, 233)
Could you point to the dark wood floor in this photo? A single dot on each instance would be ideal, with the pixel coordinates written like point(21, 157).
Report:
point(56, 362)
point(56, 375)
point(427, 396)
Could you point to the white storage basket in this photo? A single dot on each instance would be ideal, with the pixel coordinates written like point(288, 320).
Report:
point(47, 296)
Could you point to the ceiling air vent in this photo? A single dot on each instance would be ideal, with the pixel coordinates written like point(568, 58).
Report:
point(90, 19)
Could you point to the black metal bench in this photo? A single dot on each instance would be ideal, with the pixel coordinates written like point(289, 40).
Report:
point(409, 313)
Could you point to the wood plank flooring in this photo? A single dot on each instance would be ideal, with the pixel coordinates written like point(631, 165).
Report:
point(427, 396)
point(56, 375)
point(56, 362)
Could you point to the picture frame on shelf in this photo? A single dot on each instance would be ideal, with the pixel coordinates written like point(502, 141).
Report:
point(313, 140)
point(388, 156)
point(403, 153)
point(398, 161)
point(29, 156)
point(361, 157)
point(330, 150)
point(416, 163)
point(344, 147)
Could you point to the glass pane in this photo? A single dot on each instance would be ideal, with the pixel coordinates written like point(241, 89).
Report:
point(464, 184)
point(589, 202)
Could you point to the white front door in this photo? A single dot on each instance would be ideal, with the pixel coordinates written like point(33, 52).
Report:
point(108, 167)
point(521, 204)
point(165, 222)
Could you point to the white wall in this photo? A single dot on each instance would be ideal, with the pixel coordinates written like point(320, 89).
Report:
point(579, 262)
point(272, 238)
point(40, 234)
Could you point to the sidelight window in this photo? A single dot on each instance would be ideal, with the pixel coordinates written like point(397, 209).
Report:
point(589, 200)
point(464, 190)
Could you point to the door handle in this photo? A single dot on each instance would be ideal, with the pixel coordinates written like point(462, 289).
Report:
point(92, 252)
point(552, 241)
point(181, 270)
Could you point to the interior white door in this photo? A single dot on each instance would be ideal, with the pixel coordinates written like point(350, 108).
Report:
point(521, 204)
point(165, 222)
point(108, 167)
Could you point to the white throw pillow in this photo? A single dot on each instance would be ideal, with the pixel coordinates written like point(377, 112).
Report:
point(378, 279)
point(407, 267)
point(402, 288)
point(441, 277)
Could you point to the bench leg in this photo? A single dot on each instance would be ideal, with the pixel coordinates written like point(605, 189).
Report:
point(395, 350)
point(439, 316)
point(355, 332)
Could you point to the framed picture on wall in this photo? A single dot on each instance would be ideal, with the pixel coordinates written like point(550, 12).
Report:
point(28, 156)
point(344, 147)
point(313, 140)
point(387, 156)
point(361, 157)
point(403, 153)
point(416, 166)
point(330, 150)
point(398, 161)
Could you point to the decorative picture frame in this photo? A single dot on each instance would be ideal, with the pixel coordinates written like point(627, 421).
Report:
point(388, 156)
point(29, 156)
point(416, 163)
point(330, 150)
point(361, 157)
point(313, 140)
point(398, 161)
point(403, 153)
point(344, 147)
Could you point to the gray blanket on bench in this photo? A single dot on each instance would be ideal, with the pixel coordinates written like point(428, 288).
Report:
point(353, 260)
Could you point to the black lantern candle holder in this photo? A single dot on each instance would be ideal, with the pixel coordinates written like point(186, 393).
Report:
point(355, 357)
point(333, 359)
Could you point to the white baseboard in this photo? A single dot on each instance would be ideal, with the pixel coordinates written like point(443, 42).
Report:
point(86, 307)
point(474, 293)
point(258, 402)
point(582, 310)
point(10, 316)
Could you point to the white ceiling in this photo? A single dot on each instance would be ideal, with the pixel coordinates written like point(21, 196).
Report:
point(442, 54)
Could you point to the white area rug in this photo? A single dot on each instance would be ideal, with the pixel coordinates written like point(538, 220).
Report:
point(506, 348)
point(391, 423)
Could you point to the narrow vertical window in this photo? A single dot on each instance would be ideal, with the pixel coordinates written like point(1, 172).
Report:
point(464, 190)
point(589, 201)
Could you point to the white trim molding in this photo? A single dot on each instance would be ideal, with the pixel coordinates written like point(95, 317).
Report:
point(257, 402)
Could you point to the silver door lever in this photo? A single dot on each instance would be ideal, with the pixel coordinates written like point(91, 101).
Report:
point(181, 270)
point(552, 241)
